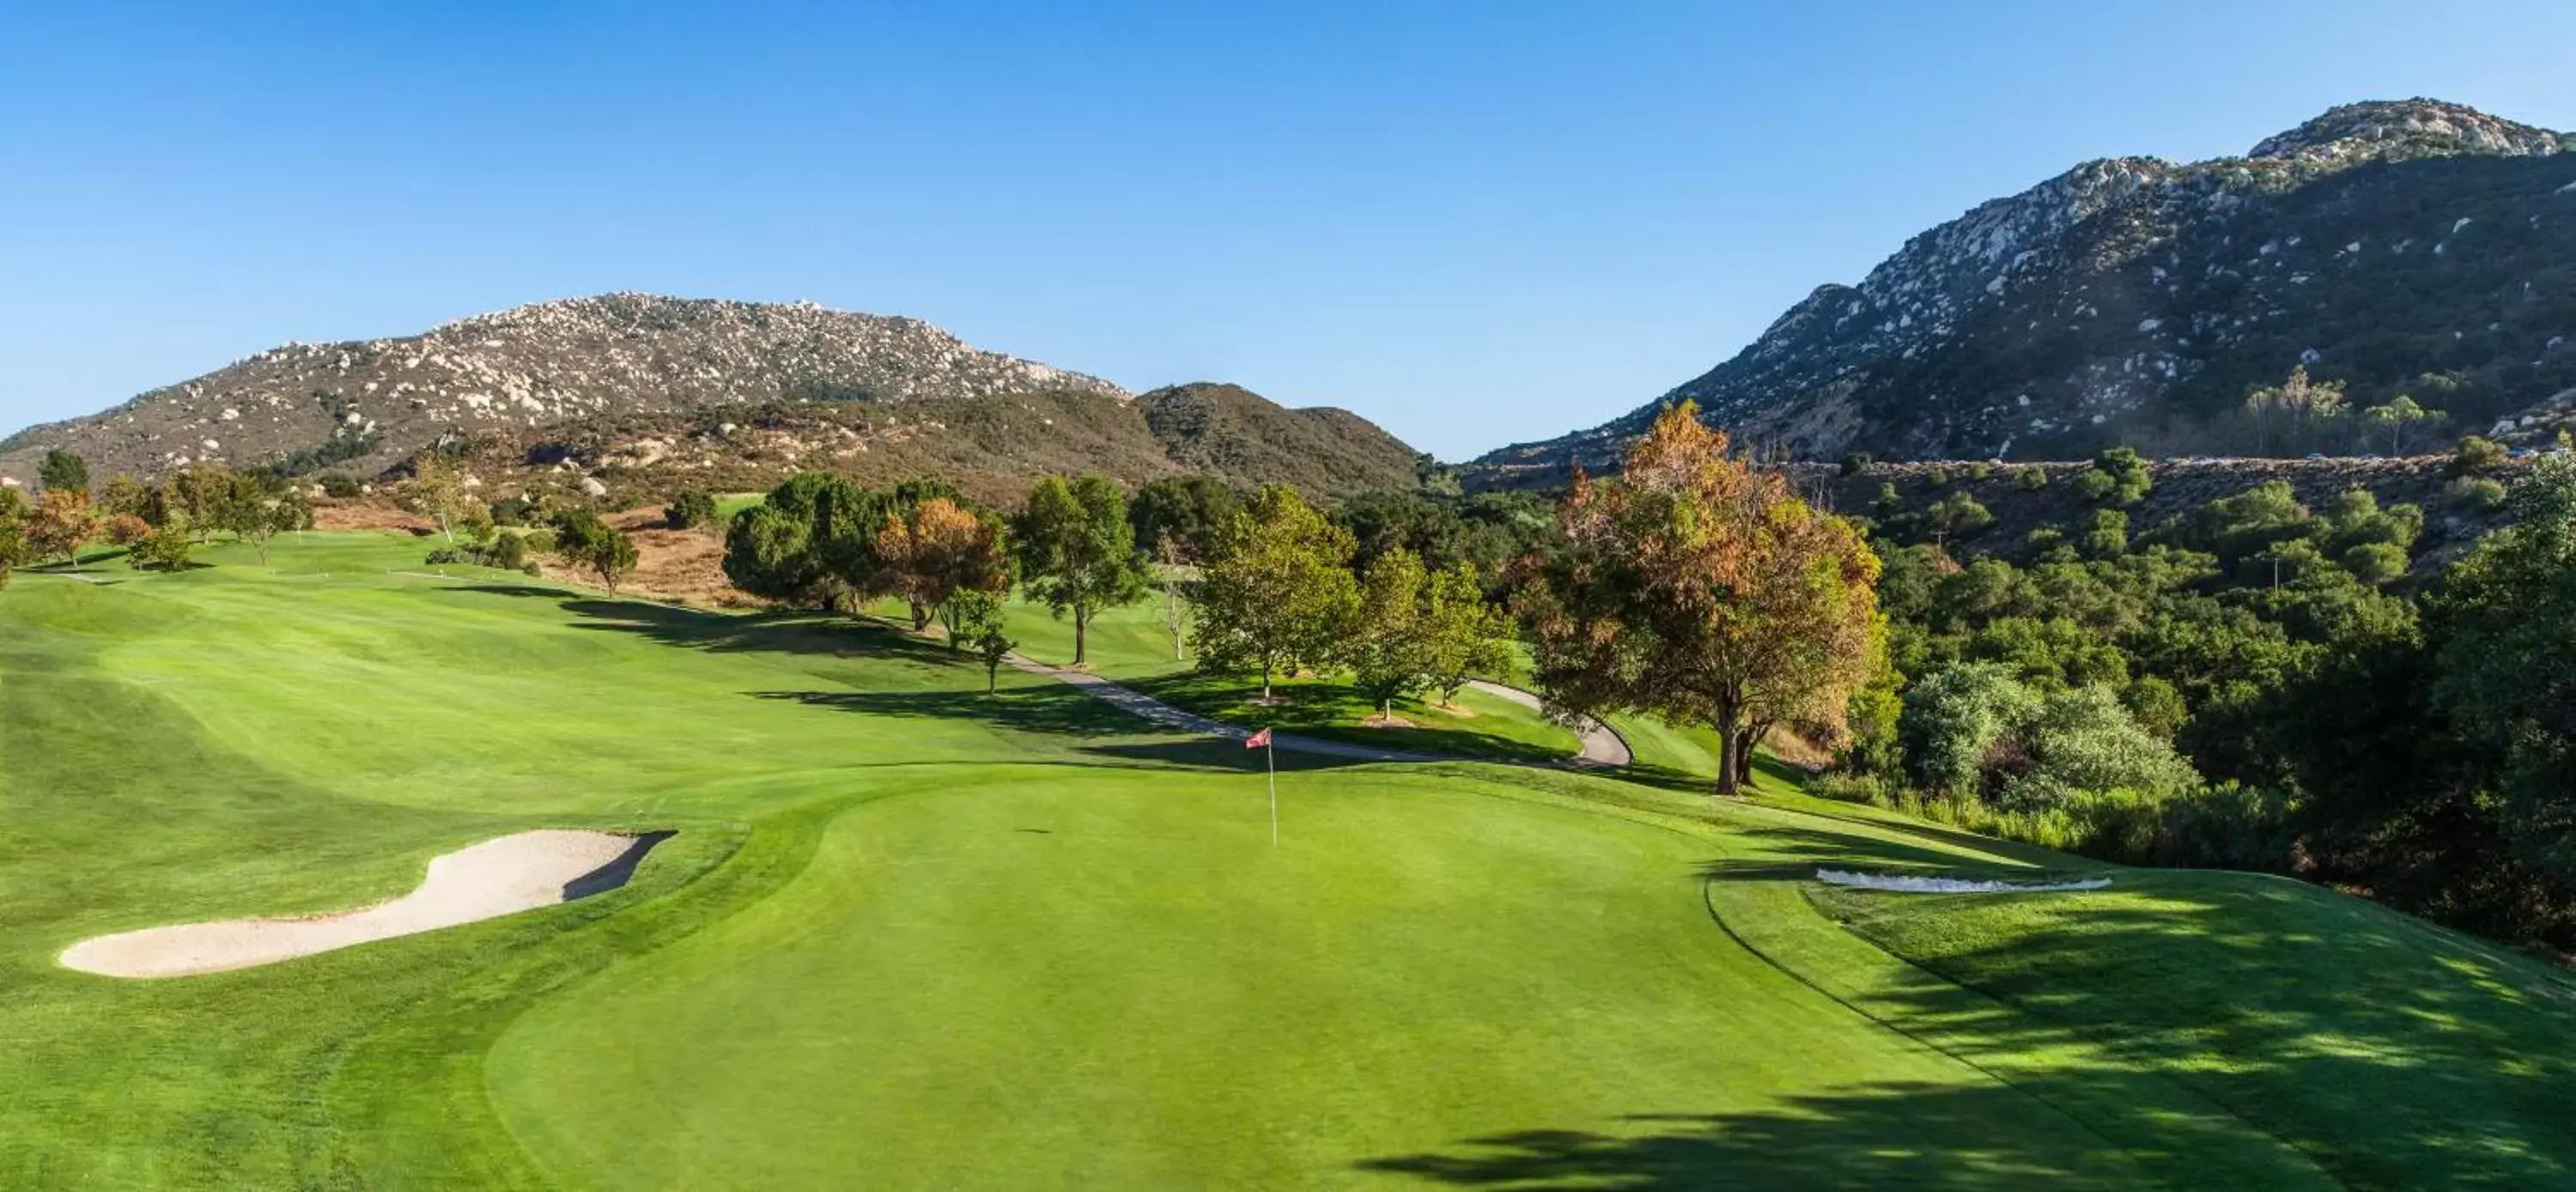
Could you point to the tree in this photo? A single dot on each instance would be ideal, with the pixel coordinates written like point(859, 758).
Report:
point(1277, 589)
point(691, 509)
point(1389, 655)
point(1189, 510)
point(979, 622)
point(63, 470)
point(2506, 620)
point(585, 542)
point(935, 550)
point(811, 542)
point(259, 509)
point(125, 496)
point(2302, 402)
point(438, 492)
point(1462, 633)
point(1699, 590)
point(61, 524)
point(14, 548)
point(1077, 551)
point(197, 494)
point(2397, 415)
point(164, 549)
point(1174, 577)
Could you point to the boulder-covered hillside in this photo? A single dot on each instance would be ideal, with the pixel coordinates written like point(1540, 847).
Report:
point(992, 446)
point(2412, 247)
point(362, 406)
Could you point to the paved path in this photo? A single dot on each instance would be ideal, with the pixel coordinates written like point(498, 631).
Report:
point(1601, 747)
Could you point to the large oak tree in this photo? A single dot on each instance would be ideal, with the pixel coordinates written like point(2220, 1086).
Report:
point(1700, 590)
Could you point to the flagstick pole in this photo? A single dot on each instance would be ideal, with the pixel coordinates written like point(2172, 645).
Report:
point(1270, 758)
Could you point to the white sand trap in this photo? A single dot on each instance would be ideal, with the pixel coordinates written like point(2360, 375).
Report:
point(1948, 885)
point(498, 877)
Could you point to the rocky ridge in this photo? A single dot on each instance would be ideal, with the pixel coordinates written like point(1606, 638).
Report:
point(2133, 298)
point(360, 406)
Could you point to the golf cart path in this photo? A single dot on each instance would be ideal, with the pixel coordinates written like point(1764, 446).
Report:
point(1601, 746)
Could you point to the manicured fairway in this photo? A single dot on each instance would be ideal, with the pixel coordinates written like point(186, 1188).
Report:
point(911, 935)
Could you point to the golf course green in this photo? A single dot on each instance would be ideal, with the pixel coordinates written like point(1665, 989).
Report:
point(911, 935)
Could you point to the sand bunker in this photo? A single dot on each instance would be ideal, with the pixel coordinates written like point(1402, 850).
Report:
point(498, 877)
point(1948, 885)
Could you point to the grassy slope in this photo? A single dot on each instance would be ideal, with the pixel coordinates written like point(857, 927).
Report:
point(911, 935)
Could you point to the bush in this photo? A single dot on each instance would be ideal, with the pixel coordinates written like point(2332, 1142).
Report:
point(2030, 479)
point(2118, 477)
point(1979, 471)
point(164, 549)
point(690, 510)
point(2375, 562)
point(2476, 455)
point(2106, 536)
point(514, 511)
point(1938, 477)
point(2475, 493)
point(1959, 515)
point(1858, 462)
point(339, 486)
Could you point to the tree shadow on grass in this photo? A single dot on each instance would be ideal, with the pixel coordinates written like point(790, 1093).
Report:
point(1901, 1135)
point(1796, 853)
point(777, 631)
point(1049, 708)
point(2387, 1052)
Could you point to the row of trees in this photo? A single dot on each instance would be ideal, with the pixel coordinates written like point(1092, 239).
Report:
point(157, 525)
point(2313, 415)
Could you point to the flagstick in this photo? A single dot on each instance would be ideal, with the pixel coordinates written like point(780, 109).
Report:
point(1270, 757)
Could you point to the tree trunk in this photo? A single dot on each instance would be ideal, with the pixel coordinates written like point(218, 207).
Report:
point(1265, 680)
point(1726, 774)
point(1745, 745)
point(1081, 627)
point(920, 615)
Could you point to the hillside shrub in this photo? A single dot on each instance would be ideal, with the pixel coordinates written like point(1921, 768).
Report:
point(1857, 462)
point(2476, 494)
point(2031, 478)
point(690, 510)
point(339, 486)
point(2476, 455)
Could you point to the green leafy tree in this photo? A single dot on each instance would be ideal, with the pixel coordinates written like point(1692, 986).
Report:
point(1463, 634)
point(2118, 477)
point(2396, 417)
point(63, 470)
point(1188, 511)
point(1077, 551)
point(979, 621)
point(15, 551)
point(1386, 648)
point(809, 543)
point(2507, 623)
point(584, 542)
point(260, 507)
point(1277, 590)
point(164, 549)
point(437, 492)
point(690, 510)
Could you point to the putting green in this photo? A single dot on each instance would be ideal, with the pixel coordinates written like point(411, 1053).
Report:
point(910, 934)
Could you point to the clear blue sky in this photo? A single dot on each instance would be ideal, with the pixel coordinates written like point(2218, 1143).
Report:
point(1471, 222)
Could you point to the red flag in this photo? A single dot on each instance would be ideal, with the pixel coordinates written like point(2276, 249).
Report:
point(1257, 740)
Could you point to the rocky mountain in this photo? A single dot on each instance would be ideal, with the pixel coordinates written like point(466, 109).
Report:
point(362, 406)
point(992, 446)
point(2413, 247)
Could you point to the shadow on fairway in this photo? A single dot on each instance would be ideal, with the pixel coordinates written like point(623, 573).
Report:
point(1811, 847)
point(1052, 708)
point(779, 632)
point(2387, 1052)
point(1880, 1136)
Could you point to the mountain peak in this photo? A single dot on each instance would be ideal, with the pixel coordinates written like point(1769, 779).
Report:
point(2397, 130)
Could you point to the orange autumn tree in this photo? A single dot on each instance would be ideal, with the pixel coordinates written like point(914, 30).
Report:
point(1699, 590)
point(936, 549)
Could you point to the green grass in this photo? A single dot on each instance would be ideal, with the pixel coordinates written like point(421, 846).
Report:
point(909, 935)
